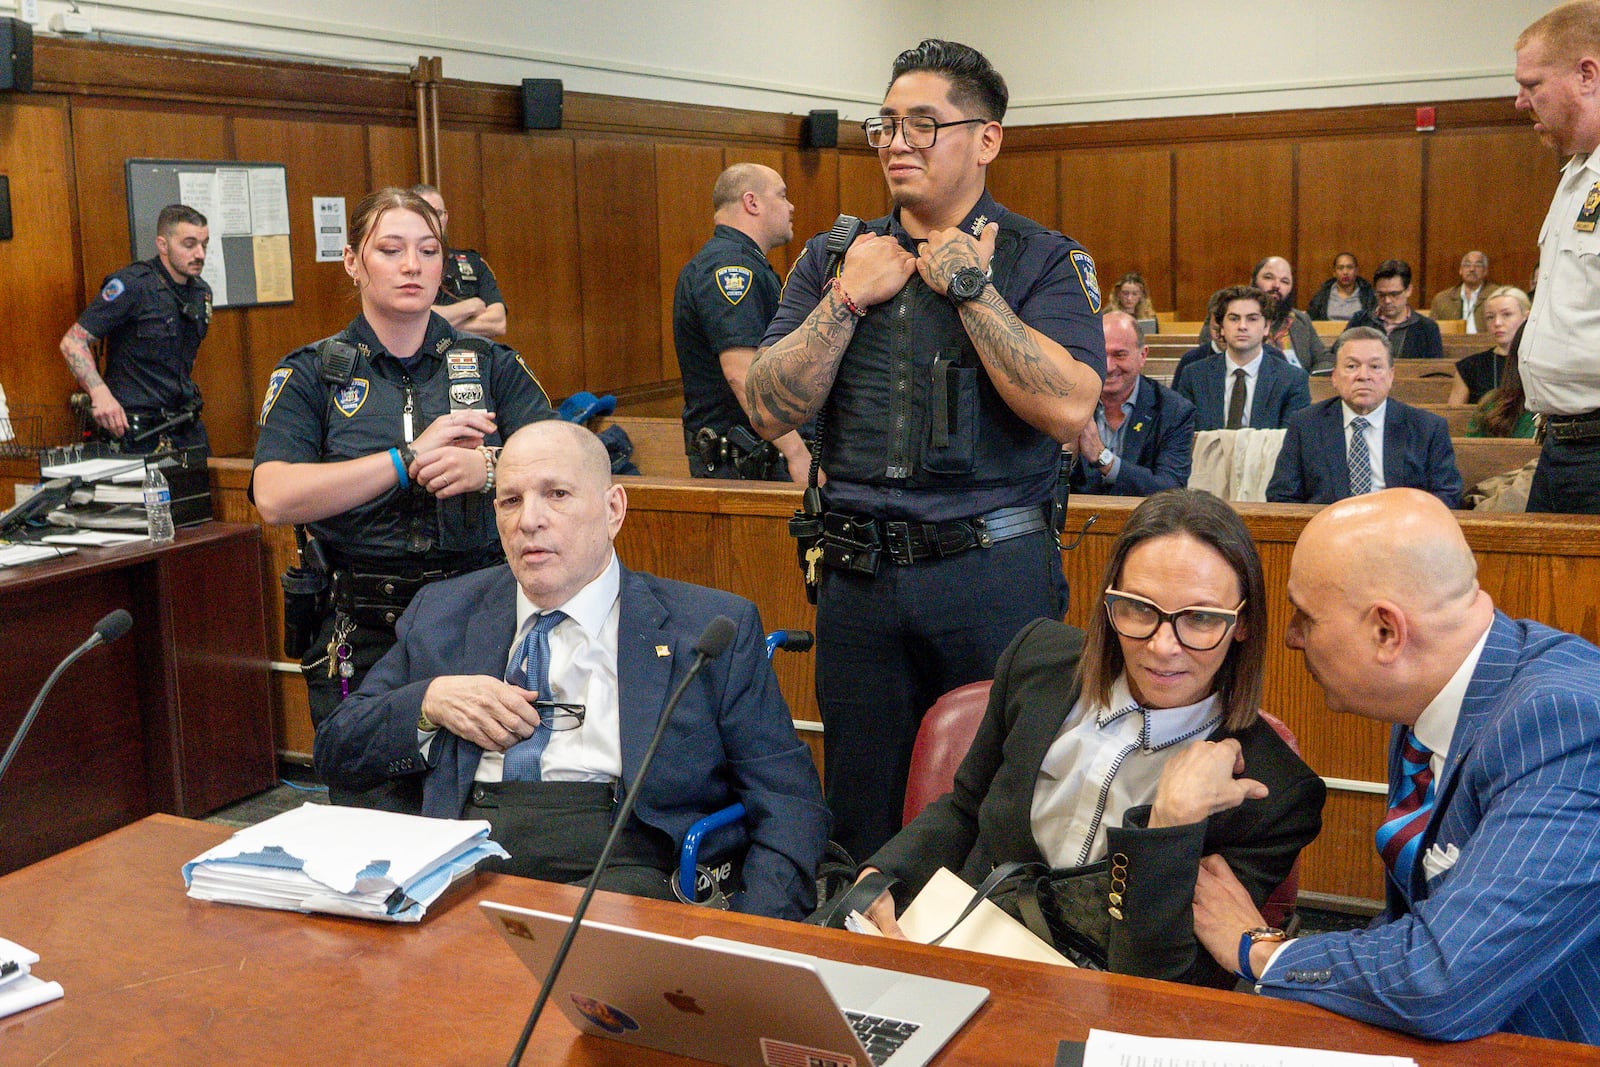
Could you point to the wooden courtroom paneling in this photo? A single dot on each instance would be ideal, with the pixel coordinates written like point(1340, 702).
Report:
point(813, 177)
point(616, 219)
point(1487, 190)
point(684, 176)
point(1361, 196)
point(862, 191)
point(104, 139)
point(321, 159)
point(465, 185)
point(391, 158)
point(531, 227)
point(1118, 205)
point(1235, 204)
point(40, 266)
point(1025, 182)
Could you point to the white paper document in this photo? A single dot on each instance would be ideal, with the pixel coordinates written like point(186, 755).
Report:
point(93, 538)
point(1108, 1049)
point(92, 470)
point(19, 989)
point(348, 861)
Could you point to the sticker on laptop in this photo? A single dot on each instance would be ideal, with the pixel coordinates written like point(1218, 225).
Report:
point(608, 1017)
point(786, 1054)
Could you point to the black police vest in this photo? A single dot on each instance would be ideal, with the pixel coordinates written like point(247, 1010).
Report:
point(912, 406)
point(407, 526)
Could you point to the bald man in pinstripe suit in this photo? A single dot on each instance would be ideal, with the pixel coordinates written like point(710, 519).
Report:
point(1493, 837)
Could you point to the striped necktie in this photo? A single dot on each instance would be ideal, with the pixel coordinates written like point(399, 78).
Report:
point(1410, 806)
point(531, 670)
point(1360, 457)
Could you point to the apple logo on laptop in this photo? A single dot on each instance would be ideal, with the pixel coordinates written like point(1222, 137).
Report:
point(683, 1002)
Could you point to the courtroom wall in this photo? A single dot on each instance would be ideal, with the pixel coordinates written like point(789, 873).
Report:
point(588, 226)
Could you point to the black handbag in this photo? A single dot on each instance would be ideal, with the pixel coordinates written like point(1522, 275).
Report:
point(1065, 907)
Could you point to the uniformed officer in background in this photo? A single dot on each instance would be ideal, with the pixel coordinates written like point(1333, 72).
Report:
point(379, 444)
point(469, 297)
point(951, 354)
point(152, 314)
point(726, 296)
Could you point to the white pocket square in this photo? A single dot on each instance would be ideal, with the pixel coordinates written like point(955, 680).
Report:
point(1439, 859)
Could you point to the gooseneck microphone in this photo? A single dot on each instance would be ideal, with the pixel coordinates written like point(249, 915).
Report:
point(106, 631)
point(714, 641)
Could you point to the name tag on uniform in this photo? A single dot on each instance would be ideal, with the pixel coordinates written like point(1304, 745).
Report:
point(1590, 212)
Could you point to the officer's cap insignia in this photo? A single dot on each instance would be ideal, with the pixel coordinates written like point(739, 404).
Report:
point(114, 288)
point(349, 398)
point(1091, 284)
point(734, 282)
point(463, 364)
point(274, 387)
point(466, 394)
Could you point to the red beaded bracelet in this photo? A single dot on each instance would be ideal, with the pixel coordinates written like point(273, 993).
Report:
point(849, 305)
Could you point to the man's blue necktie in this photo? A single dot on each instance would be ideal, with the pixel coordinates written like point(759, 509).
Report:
point(531, 670)
point(1410, 807)
point(1360, 458)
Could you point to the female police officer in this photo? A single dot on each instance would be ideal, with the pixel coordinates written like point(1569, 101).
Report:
point(380, 443)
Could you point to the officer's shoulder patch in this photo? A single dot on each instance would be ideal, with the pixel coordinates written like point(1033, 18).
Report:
point(274, 390)
point(1083, 263)
point(113, 289)
point(349, 398)
point(734, 282)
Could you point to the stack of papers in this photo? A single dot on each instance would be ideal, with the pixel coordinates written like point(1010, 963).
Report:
point(1106, 1048)
point(118, 468)
point(343, 861)
point(12, 555)
point(20, 990)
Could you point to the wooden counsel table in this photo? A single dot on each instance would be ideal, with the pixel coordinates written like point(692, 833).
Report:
point(154, 977)
point(173, 717)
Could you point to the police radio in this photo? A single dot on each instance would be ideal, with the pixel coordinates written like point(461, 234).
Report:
point(805, 525)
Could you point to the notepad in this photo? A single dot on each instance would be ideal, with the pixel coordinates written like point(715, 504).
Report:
point(20, 989)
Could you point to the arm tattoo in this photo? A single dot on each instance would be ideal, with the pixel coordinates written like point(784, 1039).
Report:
point(75, 347)
point(1001, 336)
point(788, 382)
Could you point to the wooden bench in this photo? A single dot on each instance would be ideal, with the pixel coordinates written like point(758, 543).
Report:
point(1409, 390)
point(1459, 416)
point(657, 443)
point(1478, 458)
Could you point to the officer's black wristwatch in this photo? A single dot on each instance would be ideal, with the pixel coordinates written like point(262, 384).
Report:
point(967, 283)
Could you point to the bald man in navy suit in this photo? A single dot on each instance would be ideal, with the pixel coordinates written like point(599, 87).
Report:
point(616, 642)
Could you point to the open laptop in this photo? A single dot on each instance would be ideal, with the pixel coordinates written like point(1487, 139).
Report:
point(735, 1003)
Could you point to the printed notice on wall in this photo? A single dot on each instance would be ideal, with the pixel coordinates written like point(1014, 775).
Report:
point(269, 202)
point(327, 218)
point(274, 280)
point(233, 203)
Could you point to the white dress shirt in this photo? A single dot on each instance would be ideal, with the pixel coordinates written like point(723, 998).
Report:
point(1374, 419)
point(1103, 762)
point(1252, 371)
point(583, 670)
point(1469, 304)
point(1560, 353)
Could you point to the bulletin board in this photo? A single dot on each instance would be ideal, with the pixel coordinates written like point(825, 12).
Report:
point(247, 208)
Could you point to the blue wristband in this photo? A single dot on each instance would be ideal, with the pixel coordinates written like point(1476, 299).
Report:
point(1246, 943)
point(399, 467)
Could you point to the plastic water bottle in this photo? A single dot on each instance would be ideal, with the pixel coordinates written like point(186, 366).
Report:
point(158, 505)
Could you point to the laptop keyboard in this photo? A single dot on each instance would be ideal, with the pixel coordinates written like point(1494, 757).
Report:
point(880, 1036)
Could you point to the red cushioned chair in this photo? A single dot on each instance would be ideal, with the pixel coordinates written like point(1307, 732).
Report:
point(947, 731)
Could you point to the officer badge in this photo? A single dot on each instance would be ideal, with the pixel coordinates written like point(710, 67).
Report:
point(1091, 284)
point(349, 398)
point(274, 387)
point(466, 395)
point(1591, 211)
point(463, 364)
point(734, 283)
point(464, 268)
point(114, 288)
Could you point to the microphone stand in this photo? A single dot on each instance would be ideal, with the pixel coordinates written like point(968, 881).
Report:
point(96, 638)
point(625, 812)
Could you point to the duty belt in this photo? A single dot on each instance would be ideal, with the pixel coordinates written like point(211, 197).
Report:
point(1583, 427)
point(857, 542)
point(378, 600)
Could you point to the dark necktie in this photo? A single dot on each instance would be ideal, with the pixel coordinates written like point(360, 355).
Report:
point(1241, 386)
point(1360, 458)
point(1410, 806)
point(531, 670)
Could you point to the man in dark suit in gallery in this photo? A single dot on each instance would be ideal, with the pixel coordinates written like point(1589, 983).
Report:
point(1142, 434)
point(1362, 441)
point(1492, 834)
point(1243, 386)
point(598, 647)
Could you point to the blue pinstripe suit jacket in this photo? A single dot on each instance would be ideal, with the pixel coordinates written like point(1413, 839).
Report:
point(1509, 937)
